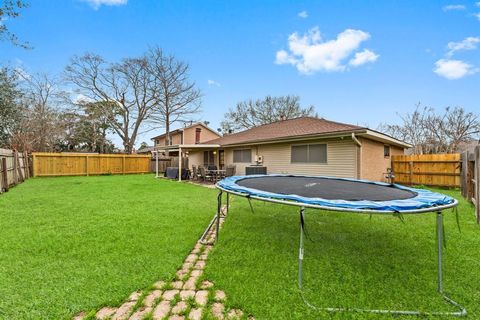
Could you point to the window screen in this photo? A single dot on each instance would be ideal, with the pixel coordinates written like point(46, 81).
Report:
point(208, 158)
point(242, 156)
point(309, 153)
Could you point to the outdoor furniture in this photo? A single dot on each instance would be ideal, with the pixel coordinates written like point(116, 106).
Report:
point(212, 167)
point(217, 174)
point(194, 172)
point(204, 175)
point(172, 173)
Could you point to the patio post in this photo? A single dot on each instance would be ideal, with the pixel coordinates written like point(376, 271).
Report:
point(179, 164)
point(156, 164)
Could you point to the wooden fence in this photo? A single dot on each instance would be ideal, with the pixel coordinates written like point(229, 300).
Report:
point(165, 162)
point(14, 168)
point(471, 178)
point(84, 164)
point(427, 169)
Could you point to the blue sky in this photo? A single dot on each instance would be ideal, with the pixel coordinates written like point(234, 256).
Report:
point(359, 62)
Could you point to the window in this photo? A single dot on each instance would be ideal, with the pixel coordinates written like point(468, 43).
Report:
point(309, 153)
point(242, 156)
point(208, 158)
point(386, 151)
point(198, 132)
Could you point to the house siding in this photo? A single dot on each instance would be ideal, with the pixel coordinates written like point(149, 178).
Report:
point(205, 135)
point(373, 163)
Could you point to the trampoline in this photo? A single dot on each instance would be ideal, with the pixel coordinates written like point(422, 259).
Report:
point(346, 195)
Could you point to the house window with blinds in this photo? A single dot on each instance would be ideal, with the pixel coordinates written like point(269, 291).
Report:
point(242, 156)
point(309, 153)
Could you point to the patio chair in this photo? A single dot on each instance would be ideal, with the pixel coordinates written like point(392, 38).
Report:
point(204, 175)
point(230, 170)
point(194, 172)
point(212, 167)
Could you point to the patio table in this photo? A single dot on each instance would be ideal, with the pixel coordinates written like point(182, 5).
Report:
point(217, 174)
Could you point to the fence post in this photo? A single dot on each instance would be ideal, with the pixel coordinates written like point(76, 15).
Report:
point(5, 174)
point(15, 173)
point(19, 168)
point(86, 165)
point(34, 165)
point(464, 174)
point(123, 164)
point(477, 183)
point(26, 167)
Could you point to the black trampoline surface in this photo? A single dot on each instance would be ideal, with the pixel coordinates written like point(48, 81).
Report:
point(326, 188)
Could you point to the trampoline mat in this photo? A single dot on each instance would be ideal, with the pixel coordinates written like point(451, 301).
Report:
point(326, 188)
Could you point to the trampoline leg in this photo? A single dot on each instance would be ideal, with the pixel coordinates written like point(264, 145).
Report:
point(219, 210)
point(440, 249)
point(300, 251)
point(228, 202)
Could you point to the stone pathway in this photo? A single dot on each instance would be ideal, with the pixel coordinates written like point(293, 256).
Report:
point(185, 297)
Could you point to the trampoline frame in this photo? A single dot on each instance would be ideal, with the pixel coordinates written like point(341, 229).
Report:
point(439, 235)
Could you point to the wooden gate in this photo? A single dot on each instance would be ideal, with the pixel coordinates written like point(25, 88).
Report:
point(427, 169)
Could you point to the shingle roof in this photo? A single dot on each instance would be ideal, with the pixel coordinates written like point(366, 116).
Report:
point(303, 126)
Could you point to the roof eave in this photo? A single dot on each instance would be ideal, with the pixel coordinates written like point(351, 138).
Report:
point(336, 134)
point(378, 136)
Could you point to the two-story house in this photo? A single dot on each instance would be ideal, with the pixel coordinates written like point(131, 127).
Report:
point(195, 133)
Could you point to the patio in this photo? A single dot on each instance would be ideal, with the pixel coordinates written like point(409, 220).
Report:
point(213, 169)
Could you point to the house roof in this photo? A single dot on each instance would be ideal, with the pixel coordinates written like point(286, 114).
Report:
point(302, 127)
point(181, 129)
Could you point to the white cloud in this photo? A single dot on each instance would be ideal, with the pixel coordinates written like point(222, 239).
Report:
point(303, 14)
point(363, 57)
point(454, 7)
point(96, 4)
point(469, 43)
point(213, 83)
point(477, 15)
point(453, 69)
point(477, 4)
point(309, 53)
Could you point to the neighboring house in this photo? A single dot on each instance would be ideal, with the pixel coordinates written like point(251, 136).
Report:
point(194, 133)
point(146, 150)
point(304, 145)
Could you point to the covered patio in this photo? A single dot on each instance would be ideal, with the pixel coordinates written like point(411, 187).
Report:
point(210, 151)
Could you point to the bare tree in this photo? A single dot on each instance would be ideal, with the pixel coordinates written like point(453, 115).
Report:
point(252, 113)
point(10, 9)
point(127, 89)
point(40, 128)
point(432, 132)
point(177, 98)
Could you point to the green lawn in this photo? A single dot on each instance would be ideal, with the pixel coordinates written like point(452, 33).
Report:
point(354, 261)
point(77, 243)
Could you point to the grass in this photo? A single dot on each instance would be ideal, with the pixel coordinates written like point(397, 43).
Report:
point(353, 261)
point(78, 243)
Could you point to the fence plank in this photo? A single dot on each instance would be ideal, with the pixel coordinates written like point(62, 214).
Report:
point(430, 169)
point(74, 164)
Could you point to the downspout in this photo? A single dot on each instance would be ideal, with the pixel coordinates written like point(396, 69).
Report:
point(359, 155)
